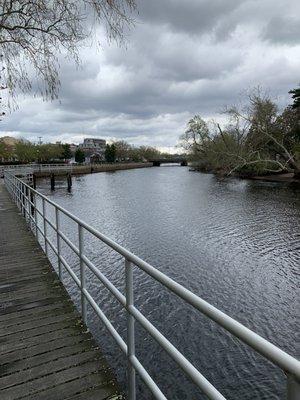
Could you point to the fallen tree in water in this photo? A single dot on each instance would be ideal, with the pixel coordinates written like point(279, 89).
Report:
point(257, 140)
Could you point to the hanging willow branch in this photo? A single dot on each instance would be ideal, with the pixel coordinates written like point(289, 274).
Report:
point(32, 32)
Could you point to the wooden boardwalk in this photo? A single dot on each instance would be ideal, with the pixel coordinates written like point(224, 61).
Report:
point(45, 352)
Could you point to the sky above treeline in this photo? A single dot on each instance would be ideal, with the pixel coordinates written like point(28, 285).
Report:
point(182, 58)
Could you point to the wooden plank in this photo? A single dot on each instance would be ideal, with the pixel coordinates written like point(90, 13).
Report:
point(81, 386)
point(58, 364)
point(30, 294)
point(7, 347)
point(97, 393)
point(30, 355)
point(30, 305)
point(51, 327)
point(48, 381)
point(9, 306)
point(24, 286)
point(23, 276)
point(38, 313)
point(38, 323)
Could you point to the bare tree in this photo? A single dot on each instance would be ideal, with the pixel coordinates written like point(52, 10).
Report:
point(195, 136)
point(33, 32)
point(257, 139)
point(259, 120)
point(122, 150)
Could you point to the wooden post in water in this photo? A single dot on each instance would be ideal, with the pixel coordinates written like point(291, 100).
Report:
point(52, 180)
point(34, 181)
point(69, 182)
point(32, 201)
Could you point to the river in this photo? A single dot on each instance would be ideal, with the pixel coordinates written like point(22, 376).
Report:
point(235, 243)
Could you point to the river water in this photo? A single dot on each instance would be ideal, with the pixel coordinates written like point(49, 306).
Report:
point(235, 243)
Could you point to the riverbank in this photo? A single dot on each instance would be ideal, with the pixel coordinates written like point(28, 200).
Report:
point(284, 177)
point(287, 178)
point(93, 168)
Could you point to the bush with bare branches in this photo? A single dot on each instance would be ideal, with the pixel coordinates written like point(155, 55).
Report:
point(257, 140)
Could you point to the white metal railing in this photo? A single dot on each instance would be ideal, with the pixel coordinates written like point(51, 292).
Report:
point(53, 167)
point(26, 199)
point(15, 168)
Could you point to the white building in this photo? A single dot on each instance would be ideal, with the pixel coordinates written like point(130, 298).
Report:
point(93, 148)
point(73, 147)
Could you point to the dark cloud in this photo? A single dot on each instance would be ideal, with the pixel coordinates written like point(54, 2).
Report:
point(283, 29)
point(189, 16)
point(182, 58)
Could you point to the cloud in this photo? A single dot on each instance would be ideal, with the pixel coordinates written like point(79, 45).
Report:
point(283, 30)
point(182, 58)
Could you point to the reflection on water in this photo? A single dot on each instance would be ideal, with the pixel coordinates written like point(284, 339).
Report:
point(234, 243)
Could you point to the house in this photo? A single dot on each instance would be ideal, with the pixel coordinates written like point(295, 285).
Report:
point(93, 148)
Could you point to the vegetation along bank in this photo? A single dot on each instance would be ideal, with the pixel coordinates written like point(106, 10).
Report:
point(257, 140)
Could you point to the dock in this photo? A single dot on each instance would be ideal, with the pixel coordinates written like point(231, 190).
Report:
point(46, 351)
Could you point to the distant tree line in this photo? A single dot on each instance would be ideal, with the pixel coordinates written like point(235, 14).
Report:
point(120, 151)
point(26, 152)
point(258, 138)
point(124, 152)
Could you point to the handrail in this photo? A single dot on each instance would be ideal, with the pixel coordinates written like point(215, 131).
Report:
point(22, 194)
point(33, 167)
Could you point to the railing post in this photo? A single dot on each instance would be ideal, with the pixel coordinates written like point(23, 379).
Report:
point(20, 197)
point(293, 388)
point(27, 209)
point(57, 220)
point(17, 191)
point(45, 227)
point(36, 217)
point(130, 330)
point(23, 200)
point(32, 202)
point(12, 182)
point(82, 273)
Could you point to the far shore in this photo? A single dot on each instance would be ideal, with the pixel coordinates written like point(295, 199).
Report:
point(94, 168)
point(287, 177)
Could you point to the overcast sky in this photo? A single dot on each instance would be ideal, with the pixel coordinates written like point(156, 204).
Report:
point(183, 57)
